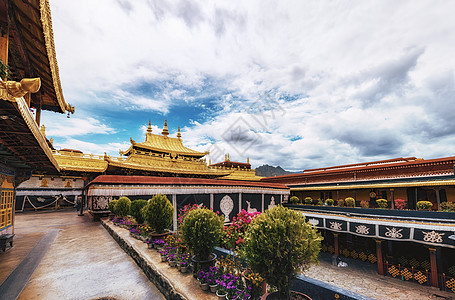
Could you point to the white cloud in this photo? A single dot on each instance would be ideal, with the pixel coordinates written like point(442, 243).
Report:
point(357, 80)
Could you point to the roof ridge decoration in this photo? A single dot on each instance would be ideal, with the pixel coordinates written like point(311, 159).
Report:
point(13, 90)
point(165, 132)
point(46, 21)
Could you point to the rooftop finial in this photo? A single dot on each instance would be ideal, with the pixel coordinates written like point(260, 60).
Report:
point(247, 160)
point(179, 135)
point(149, 129)
point(165, 131)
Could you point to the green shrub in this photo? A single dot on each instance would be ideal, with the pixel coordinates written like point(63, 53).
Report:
point(424, 205)
point(111, 205)
point(340, 202)
point(329, 202)
point(202, 230)
point(382, 203)
point(122, 208)
point(320, 202)
point(448, 206)
point(158, 213)
point(136, 210)
point(279, 244)
point(294, 200)
point(308, 200)
point(350, 202)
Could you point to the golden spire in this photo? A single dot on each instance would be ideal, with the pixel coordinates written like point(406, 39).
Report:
point(179, 135)
point(51, 141)
point(149, 131)
point(247, 160)
point(43, 130)
point(165, 131)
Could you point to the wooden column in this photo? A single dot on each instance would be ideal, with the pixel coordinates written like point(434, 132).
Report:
point(434, 267)
point(211, 201)
point(38, 110)
point(438, 199)
point(379, 258)
point(263, 202)
point(174, 203)
point(392, 198)
point(336, 244)
point(240, 202)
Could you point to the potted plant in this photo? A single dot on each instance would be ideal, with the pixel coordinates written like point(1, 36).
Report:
point(448, 206)
point(400, 203)
point(279, 244)
point(158, 214)
point(382, 203)
point(308, 200)
point(202, 230)
point(228, 285)
point(329, 202)
point(364, 204)
point(424, 205)
point(294, 200)
point(349, 201)
point(136, 210)
point(122, 207)
point(202, 277)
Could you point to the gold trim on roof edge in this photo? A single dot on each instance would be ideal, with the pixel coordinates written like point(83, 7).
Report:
point(377, 185)
point(165, 144)
point(26, 115)
point(46, 21)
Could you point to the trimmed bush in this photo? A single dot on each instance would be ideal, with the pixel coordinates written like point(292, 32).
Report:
point(424, 205)
point(382, 203)
point(329, 202)
point(340, 202)
point(111, 205)
point(448, 206)
point(136, 210)
point(202, 230)
point(350, 202)
point(279, 244)
point(294, 200)
point(122, 208)
point(308, 200)
point(158, 213)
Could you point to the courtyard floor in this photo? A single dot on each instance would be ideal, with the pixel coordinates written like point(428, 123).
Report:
point(59, 255)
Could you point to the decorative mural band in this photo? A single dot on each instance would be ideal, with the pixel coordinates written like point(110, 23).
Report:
point(425, 233)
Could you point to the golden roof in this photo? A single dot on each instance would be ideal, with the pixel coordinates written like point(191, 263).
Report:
point(163, 144)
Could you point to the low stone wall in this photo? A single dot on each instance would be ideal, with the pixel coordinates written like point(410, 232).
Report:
point(154, 275)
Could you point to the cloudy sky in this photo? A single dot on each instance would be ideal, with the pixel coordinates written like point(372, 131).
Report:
point(300, 84)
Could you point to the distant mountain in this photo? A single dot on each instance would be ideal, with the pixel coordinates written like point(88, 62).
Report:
point(269, 171)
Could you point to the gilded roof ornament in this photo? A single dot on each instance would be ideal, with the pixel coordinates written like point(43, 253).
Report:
point(10, 90)
point(43, 130)
point(179, 135)
point(165, 132)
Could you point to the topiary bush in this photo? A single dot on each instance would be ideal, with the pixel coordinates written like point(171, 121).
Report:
point(122, 207)
point(111, 205)
point(279, 244)
point(202, 230)
point(329, 202)
point(136, 210)
point(308, 200)
point(382, 203)
point(424, 205)
point(294, 200)
point(340, 202)
point(448, 206)
point(349, 201)
point(158, 213)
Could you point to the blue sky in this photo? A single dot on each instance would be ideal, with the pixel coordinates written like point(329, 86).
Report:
point(300, 84)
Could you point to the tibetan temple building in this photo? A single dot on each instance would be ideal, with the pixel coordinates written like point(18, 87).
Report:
point(160, 164)
point(413, 245)
point(29, 81)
